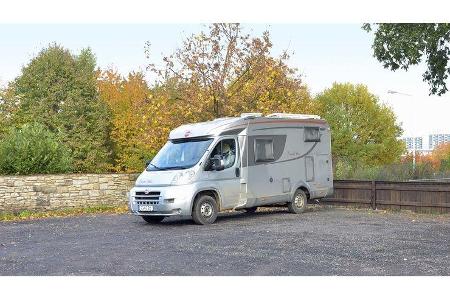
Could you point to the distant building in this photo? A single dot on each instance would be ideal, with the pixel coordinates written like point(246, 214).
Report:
point(416, 143)
point(413, 143)
point(436, 139)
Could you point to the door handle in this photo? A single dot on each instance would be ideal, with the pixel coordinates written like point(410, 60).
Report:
point(237, 171)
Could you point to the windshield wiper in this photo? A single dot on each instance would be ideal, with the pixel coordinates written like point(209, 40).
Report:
point(158, 168)
point(175, 168)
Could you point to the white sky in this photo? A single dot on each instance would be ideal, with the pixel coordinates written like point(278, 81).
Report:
point(324, 53)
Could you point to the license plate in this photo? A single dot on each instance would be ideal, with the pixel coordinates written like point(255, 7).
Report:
point(145, 208)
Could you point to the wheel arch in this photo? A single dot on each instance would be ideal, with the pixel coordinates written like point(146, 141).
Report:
point(210, 192)
point(304, 187)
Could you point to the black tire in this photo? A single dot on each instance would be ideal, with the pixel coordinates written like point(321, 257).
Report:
point(251, 210)
point(205, 210)
point(298, 203)
point(153, 219)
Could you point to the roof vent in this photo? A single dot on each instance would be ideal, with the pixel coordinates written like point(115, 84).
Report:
point(292, 116)
point(251, 115)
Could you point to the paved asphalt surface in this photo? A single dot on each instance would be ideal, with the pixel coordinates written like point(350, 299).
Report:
point(322, 241)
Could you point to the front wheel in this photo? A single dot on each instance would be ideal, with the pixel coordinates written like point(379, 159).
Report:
point(298, 204)
point(205, 210)
point(153, 219)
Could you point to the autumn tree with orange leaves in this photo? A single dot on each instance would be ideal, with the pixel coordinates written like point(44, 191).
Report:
point(220, 73)
point(224, 72)
point(440, 157)
point(129, 101)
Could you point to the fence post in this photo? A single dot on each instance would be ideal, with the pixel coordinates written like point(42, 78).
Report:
point(374, 195)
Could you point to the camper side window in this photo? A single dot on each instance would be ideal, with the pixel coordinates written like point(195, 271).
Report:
point(263, 150)
point(312, 134)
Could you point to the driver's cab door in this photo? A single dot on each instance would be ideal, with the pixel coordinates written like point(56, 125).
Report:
point(228, 179)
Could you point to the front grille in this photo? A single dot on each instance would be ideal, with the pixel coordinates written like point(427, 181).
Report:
point(147, 202)
point(151, 195)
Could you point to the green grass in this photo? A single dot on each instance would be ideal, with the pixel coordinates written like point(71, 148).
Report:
point(31, 215)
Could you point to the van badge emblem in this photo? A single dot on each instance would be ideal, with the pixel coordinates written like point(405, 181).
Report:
point(146, 191)
point(187, 133)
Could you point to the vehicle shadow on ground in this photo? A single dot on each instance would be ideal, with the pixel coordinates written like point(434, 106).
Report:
point(261, 213)
point(224, 217)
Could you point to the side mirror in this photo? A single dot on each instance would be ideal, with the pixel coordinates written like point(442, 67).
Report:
point(217, 163)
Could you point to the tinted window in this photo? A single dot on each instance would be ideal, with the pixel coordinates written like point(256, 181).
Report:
point(312, 134)
point(264, 150)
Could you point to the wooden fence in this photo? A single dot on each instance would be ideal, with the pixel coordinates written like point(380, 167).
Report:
point(430, 197)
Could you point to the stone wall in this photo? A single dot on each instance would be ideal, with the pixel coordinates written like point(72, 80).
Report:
point(48, 192)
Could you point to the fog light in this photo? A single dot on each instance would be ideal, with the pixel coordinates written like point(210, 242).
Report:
point(170, 200)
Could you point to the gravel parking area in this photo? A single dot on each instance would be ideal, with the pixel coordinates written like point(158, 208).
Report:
point(322, 241)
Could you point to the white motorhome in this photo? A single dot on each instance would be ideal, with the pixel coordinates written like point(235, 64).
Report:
point(236, 163)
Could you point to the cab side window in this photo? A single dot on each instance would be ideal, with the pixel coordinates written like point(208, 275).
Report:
point(227, 150)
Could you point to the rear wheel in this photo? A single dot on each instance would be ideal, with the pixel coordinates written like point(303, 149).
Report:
point(298, 204)
point(205, 210)
point(153, 219)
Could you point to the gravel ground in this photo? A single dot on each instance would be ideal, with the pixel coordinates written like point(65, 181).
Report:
point(322, 241)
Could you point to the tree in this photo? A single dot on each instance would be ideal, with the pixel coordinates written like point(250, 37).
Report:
point(222, 72)
point(268, 86)
point(225, 72)
point(58, 89)
point(440, 157)
point(399, 46)
point(3, 113)
point(8, 106)
point(134, 125)
point(33, 149)
point(363, 130)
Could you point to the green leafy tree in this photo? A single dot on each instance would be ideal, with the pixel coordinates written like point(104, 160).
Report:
point(58, 89)
point(8, 106)
point(2, 113)
point(399, 46)
point(364, 132)
point(33, 149)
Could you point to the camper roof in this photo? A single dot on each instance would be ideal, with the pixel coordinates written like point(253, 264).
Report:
point(201, 129)
point(293, 116)
point(218, 126)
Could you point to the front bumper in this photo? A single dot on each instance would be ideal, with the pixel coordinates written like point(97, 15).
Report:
point(165, 201)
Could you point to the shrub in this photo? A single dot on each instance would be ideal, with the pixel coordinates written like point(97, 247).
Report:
point(33, 149)
point(399, 171)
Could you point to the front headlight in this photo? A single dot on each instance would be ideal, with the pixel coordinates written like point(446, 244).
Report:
point(144, 181)
point(183, 177)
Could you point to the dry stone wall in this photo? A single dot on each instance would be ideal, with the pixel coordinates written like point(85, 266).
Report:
point(49, 192)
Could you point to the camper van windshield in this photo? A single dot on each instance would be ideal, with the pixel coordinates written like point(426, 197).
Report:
point(180, 154)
